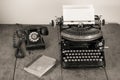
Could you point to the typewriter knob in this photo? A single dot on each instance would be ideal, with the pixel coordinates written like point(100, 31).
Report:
point(100, 48)
point(100, 44)
point(103, 22)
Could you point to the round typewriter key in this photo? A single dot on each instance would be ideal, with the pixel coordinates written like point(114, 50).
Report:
point(87, 59)
point(97, 56)
point(94, 56)
point(88, 56)
point(76, 50)
point(100, 59)
point(69, 60)
point(96, 59)
point(93, 59)
point(99, 53)
point(98, 50)
point(84, 59)
point(85, 56)
point(72, 59)
point(82, 56)
point(81, 60)
point(76, 56)
point(65, 60)
point(87, 53)
point(78, 53)
point(81, 53)
point(80, 50)
point(90, 59)
point(91, 50)
point(84, 53)
point(63, 51)
point(73, 56)
point(96, 53)
point(79, 56)
point(91, 56)
point(75, 59)
point(94, 50)
point(67, 56)
point(68, 50)
point(78, 59)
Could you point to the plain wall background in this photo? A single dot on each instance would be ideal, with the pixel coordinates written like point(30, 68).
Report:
point(42, 11)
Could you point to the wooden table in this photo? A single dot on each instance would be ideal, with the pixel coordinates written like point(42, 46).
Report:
point(12, 68)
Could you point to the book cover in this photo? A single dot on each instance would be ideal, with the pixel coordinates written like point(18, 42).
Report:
point(40, 66)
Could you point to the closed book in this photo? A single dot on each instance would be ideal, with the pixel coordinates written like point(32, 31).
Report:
point(40, 65)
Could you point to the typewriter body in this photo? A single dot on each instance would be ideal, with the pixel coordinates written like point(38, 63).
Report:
point(82, 42)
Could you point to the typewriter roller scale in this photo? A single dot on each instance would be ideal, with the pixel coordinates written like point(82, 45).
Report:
point(82, 42)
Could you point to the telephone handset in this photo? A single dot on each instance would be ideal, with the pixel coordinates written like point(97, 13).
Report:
point(32, 38)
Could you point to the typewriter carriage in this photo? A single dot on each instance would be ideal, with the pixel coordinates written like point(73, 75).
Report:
point(59, 22)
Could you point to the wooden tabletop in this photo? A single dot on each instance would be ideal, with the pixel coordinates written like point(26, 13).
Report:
point(12, 68)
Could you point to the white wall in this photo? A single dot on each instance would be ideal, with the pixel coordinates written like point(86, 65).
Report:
point(110, 9)
point(42, 11)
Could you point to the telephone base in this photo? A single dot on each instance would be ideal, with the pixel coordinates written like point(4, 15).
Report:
point(33, 46)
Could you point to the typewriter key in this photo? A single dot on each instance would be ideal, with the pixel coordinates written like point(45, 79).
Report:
point(65, 60)
point(85, 56)
point(100, 59)
point(90, 59)
point(88, 56)
point(79, 56)
point(76, 56)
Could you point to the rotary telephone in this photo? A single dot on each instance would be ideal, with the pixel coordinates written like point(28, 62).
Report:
point(31, 37)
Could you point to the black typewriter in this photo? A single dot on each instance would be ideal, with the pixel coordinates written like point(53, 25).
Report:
point(82, 45)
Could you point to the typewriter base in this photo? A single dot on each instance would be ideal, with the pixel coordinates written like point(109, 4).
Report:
point(82, 65)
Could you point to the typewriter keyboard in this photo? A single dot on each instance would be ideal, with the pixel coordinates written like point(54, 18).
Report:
point(85, 58)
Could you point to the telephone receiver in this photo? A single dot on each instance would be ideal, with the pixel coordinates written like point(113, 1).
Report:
point(44, 31)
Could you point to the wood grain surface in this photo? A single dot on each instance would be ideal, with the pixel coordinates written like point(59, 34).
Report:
point(8, 61)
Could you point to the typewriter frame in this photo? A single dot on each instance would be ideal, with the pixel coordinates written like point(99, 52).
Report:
point(98, 24)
